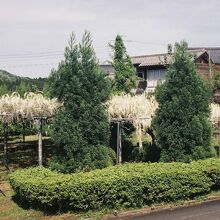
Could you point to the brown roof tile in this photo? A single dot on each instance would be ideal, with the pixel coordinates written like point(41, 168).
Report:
point(213, 51)
point(160, 59)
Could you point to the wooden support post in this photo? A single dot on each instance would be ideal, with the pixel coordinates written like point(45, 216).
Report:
point(119, 145)
point(5, 130)
point(218, 139)
point(23, 131)
point(117, 141)
point(40, 120)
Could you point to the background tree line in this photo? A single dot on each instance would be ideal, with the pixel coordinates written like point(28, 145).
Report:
point(11, 83)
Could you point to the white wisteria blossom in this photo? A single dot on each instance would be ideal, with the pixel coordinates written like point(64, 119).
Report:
point(11, 106)
point(138, 109)
point(215, 113)
point(36, 105)
point(32, 105)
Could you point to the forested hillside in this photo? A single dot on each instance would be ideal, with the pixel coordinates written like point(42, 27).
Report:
point(10, 83)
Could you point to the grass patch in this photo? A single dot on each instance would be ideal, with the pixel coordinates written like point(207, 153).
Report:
point(10, 209)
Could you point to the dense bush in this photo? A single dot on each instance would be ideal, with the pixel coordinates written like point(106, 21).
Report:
point(97, 157)
point(181, 123)
point(128, 185)
point(80, 129)
point(149, 153)
point(125, 74)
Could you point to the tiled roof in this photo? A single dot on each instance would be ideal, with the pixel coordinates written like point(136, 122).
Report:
point(213, 51)
point(160, 59)
point(152, 60)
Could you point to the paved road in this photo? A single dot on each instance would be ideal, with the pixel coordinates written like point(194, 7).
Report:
point(209, 210)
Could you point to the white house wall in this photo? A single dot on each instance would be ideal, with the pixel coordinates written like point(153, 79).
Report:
point(154, 77)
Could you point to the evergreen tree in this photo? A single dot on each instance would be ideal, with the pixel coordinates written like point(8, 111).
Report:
point(125, 74)
point(3, 90)
point(80, 129)
point(181, 123)
point(23, 87)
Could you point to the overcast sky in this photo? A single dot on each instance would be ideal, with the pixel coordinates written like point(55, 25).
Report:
point(34, 33)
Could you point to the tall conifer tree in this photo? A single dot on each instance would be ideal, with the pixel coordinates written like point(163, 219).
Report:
point(80, 129)
point(181, 123)
point(125, 74)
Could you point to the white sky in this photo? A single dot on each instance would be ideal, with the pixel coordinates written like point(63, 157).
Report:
point(34, 33)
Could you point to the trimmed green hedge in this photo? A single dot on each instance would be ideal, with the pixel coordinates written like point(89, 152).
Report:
point(128, 185)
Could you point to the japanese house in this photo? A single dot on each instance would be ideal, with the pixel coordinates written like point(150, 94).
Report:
point(151, 69)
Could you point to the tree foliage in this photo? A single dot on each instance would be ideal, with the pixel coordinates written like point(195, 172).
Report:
point(10, 83)
point(129, 185)
point(80, 129)
point(216, 82)
point(181, 123)
point(125, 75)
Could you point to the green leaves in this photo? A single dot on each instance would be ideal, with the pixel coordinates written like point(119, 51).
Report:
point(125, 74)
point(10, 83)
point(128, 185)
point(182, 123)
point(80, 129)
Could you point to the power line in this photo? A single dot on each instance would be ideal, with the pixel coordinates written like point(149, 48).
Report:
point(31, 56)
point(43, 53)
point(52, 52)
point(26, 65)
point(145, 42)
point(33, 53)
point(19, 60)
point(61, 52)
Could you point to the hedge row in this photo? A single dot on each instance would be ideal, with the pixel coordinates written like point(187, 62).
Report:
point(128, 185)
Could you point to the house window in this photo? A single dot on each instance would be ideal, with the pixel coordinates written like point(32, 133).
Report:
point(155, 77)
point(140, 75)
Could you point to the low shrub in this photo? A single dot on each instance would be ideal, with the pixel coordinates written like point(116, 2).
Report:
point(96, 157)
point(121, 186)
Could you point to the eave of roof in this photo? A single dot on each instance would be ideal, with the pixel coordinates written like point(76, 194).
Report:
point(214, 53)
point(161, 59)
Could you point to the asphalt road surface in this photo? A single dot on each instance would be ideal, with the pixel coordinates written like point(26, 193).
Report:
point(209, 210)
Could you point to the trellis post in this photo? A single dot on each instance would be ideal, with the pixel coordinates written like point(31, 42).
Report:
point(40, 143)
point(39, 124)
point(118, 122)
point(23, 131)
point(218, 139)
point(5, 130)
point(119, 145)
